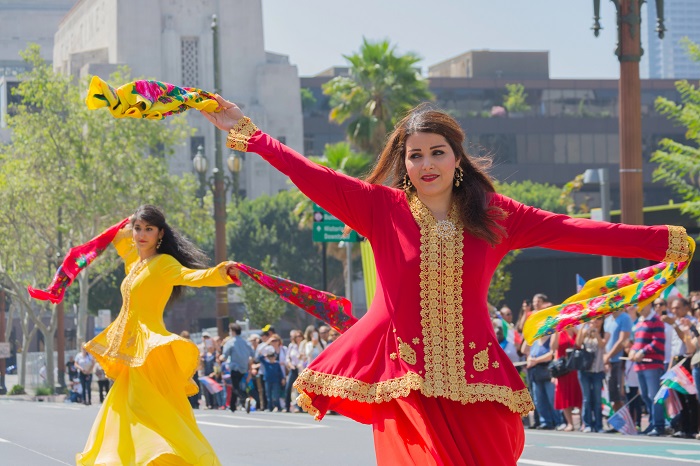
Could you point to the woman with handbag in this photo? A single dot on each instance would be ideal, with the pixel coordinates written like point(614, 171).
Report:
point(592, 340)
point(567, 390)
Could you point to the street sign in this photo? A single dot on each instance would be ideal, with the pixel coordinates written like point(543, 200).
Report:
point(328, 229)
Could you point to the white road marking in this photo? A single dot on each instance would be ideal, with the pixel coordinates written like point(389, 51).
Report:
point(541, 463)
point(685, 452)
point(34, 451)
point(637, 455)
point(258, 420)
point(612, 437)
point(231, 426)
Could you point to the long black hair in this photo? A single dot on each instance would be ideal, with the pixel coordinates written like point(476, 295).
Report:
point(174, 243)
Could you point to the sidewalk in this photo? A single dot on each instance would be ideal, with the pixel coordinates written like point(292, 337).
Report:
point(13, 379)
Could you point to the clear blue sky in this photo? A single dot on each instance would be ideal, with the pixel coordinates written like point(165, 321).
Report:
point(316, 33)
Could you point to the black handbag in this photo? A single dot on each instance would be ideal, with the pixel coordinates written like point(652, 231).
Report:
point(540, 373)
point(558, 368)
point(580, 360)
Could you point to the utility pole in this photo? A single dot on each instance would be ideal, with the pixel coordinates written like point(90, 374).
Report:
point(219, 196)
point(629, 53)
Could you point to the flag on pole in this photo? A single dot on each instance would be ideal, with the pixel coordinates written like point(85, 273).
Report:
point(669, 399)
point(605, 399)
point(679, 379)
point(622, 421)
point(671, 292)
point(579, 283)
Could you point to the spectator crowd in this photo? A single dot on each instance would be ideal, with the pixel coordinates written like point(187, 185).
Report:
point(616, 361)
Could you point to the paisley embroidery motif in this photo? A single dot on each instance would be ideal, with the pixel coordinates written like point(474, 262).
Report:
point(406, 353)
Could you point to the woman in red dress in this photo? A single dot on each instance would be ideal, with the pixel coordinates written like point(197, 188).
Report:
point(567, 389)
point(424, 366)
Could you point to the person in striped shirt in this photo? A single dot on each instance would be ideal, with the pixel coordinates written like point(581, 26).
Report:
point(648, 354)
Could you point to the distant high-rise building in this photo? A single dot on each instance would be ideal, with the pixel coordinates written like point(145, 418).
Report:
point(668, 58)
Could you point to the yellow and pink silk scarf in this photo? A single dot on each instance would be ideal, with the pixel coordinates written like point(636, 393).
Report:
point(153, 100)
point(604, 295)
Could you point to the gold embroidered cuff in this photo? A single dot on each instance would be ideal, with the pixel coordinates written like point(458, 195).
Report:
point(304, 402)
point(678, 248)
point(239, 135)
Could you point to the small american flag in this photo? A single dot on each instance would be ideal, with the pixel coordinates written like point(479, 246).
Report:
point(622, 422)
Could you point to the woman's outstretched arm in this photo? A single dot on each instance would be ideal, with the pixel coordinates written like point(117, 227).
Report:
point(347, 198)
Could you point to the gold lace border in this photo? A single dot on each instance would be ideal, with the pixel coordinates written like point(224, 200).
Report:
point(518, 401)
point(238, 136)
point(678, 249)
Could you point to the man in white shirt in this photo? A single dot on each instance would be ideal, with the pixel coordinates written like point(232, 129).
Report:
point(84, 362)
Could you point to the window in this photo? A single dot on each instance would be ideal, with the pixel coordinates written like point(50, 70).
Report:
point(190, 61)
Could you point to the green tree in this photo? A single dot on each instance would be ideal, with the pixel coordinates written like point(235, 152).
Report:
point(268, 227)
point(70, 172)
point(262, 306)
point(307, 99)
point(679, 164)
point(515, 100)
point(382, 86)
point(542, 195)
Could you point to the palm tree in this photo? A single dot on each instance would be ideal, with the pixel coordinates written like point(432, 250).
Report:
point(381, 87)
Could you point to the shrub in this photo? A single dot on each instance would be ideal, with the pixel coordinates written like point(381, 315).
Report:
point(17, 390)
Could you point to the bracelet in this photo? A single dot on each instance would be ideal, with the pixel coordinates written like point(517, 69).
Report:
point(239, 135)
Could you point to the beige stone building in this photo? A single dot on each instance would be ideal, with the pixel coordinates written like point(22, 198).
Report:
point(172, 41)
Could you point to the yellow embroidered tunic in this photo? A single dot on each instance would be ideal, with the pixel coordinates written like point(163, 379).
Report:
point(428, 328)
point(146, 415)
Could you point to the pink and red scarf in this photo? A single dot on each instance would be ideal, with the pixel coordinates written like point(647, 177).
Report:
point(336, 311)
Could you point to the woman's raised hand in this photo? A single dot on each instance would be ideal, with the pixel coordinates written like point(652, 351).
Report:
point(227, 117)
point(232, 270)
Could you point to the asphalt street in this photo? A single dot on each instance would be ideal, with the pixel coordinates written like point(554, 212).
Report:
point(38, 434)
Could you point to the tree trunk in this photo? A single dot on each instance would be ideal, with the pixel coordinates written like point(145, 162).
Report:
point(82, 308)
point(48, 346)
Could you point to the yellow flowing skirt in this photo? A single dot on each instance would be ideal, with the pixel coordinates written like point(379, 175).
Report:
point(146, 419)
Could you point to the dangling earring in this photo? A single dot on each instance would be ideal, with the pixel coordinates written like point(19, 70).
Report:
point(160, 241)
point(407, 185)
point(459, 176)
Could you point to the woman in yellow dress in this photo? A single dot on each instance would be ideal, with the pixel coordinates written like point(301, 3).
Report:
point(146, 418)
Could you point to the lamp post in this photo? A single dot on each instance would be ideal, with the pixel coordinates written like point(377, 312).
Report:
point(218, 183)
point(600, 177)
point(629, 52)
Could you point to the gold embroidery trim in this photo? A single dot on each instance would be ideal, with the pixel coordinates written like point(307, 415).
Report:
point(116, 332)
point(441, 300)
point(406, 353)
point(329, 385)
point(304, 402)
point(678, 249)
point(239, 135)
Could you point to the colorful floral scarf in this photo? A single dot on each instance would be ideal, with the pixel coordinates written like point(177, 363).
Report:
point(76, 260)
point(153, 100)
point(336, 311)
point(604, 295)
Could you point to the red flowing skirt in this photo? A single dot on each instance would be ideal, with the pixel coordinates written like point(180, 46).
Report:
point(567, 392)
point(426, 431)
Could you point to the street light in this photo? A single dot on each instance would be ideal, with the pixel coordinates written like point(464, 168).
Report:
point(599, 176)
point(218, 183)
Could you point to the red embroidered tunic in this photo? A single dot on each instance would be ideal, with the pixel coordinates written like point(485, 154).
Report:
point(428, 327)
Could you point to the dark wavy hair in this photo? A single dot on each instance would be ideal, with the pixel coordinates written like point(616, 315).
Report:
point(174, 243)
point(472, 195)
